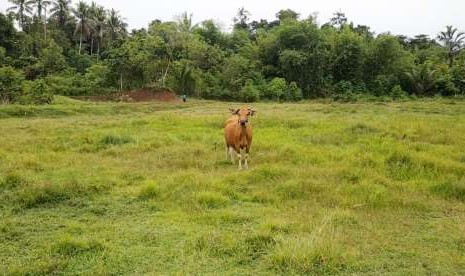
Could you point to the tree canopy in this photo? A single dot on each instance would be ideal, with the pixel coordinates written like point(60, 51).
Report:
point(86, 49)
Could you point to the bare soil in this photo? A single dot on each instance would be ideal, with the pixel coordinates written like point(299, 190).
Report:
point(139, 95)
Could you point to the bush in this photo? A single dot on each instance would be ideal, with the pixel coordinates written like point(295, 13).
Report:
point(344, 91)
point(51, 59)
point(249, 92)
point(383, 84)
point(445, 82)
point(10, 84)
point(70, 84)
point(2, 56)
point(96, 77)
point(295, 92)
point(398, 93)
point(36, 92)
point(276, 89)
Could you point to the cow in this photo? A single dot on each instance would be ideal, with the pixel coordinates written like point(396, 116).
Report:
point(238, 135)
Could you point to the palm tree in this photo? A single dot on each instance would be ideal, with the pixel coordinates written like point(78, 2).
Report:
point(186, 80)
point(84, 25)
point(185, 23)
point(22, 8)
point(453, 42)
point(116, 25)
point(422, 78)
point(60, 11)
point(40, 5)
point(99, 17)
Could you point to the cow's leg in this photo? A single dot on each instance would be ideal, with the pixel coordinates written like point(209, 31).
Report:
point(227, 153)
point(239, 155)
point(246, 157)
point(231, 154)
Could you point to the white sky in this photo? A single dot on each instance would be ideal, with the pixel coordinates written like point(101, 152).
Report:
point(408, 17)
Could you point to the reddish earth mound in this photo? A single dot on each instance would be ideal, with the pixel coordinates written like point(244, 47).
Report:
point(148, 94)
point(140, 95)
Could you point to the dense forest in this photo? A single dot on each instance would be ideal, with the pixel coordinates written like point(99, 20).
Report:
point(56, 48)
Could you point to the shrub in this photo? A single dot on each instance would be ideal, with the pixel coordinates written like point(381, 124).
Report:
point(96, 77)
point(398, 93)
point(344, 91)
point(295, 92)
point(445, 82)
point(2, 56)
point(36, 92)
point(10, 84)
point(249, 92)
point(383, 84)
point(276, 89)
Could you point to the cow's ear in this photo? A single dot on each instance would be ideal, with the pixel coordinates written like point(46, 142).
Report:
point(233, 111)
point(252, 112)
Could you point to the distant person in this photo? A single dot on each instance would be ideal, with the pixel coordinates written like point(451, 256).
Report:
point(184, 97)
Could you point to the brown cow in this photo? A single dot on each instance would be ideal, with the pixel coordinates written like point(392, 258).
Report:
point(238, 135)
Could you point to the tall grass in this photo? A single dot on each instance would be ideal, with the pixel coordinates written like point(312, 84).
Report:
point(119, 188)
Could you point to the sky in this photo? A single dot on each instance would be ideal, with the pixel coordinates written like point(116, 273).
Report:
point(407, 17)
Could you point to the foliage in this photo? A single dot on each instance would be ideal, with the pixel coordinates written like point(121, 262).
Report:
point(422, 79)
point(453, 42)
point(36, 92)
point(97, 75)
point(10, 84)
point(250, 92)
point(335, 60)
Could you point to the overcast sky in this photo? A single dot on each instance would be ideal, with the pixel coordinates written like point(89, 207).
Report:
point(408, 17)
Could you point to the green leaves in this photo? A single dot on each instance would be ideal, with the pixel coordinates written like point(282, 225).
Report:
point(10, 84)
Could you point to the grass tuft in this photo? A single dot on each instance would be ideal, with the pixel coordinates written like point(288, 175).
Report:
point(115, 140)
point(12, 180)
point(212, 200)
point(73, 246)
point(450, 190)
point(149, 191)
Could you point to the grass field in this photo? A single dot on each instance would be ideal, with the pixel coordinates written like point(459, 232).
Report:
point(124, 188)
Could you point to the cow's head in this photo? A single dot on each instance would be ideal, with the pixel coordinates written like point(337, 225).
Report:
point(243, 115)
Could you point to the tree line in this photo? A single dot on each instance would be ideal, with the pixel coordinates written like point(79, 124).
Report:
point(50, 47)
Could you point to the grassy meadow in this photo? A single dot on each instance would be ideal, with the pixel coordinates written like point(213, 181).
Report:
point(144, 188)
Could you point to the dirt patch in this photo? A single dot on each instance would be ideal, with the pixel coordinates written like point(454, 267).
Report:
point(139, 95)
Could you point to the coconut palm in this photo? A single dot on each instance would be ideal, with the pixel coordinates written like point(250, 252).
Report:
point(116, 25)
point(83, 27)
point(60, 11)
point(40, 5)
point(100, 27)
point(20, 8)
point(453, 42)
point(185, 24)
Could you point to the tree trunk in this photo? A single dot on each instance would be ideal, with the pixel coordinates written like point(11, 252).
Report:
point(451, 60)
point(121, 81)
point(166, 73)
point(45, 26)
point(80, 43)
point(91, 46)
point(98, 50)
point(80, 36)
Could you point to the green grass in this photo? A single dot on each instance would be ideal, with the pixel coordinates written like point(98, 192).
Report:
point(124, 188)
